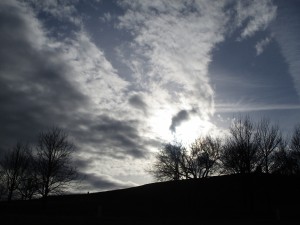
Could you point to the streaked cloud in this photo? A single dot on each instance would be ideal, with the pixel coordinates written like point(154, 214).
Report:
point(252, 108)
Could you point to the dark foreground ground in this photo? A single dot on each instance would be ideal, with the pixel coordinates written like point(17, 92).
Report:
point(236, 199)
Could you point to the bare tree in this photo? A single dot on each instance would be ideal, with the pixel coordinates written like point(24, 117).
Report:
point(169, 163)
point(240, 153)
point(295, 142)
point(283, 160)
point(53, 162)
point(3, 189)
point(174, 162)
point(269, 140)
point(295, 149)
point(14, 165)
point(28, 185)
point(203, 157)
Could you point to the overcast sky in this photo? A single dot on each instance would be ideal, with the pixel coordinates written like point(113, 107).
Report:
point(124, 77)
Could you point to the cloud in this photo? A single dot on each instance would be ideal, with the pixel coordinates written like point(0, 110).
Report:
point(179, 118)
point(34, 88)
point(138, 102)
point(286, 33)
point(254, 16)
point(171, 51)
point(117, 138)
point(252, 107)
point(64, 11)
point(93, 73)
point(107, 17)
point(261, 45)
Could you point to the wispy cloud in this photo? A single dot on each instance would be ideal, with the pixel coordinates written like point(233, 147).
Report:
point(261, 45)
point(64, 11)
point(107, 17)
point(255, 15)
point(287, 34)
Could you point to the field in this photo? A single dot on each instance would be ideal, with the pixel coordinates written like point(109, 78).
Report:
point(234, 199)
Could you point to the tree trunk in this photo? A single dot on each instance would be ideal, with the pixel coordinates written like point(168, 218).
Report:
point(10, 193)
point(266, 164)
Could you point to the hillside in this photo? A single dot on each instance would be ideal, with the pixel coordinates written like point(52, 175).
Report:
point(234, 199)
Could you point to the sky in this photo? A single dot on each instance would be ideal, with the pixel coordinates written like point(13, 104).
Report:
point(123, 77)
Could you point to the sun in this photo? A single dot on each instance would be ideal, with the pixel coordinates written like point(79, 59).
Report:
point(184, 133)
point(160, 122)
point(192, 129)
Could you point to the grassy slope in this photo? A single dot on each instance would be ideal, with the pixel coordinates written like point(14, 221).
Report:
point(250, 199)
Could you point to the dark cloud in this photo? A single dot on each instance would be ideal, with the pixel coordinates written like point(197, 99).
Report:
point(82, 164)
point(34, 92)
point(138, 102)
point(113, 137)
point(179, 118)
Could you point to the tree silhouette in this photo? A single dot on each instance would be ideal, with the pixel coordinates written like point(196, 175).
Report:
point(28, 186)
point(269, 140)
point(169, 164)
point(295, 147)
point(295, 142)
point(3, 189)
point(14, 165)
point(175, 162)
point(203, 157)
point(283, 160)
point(240, 152)
point(53, 165)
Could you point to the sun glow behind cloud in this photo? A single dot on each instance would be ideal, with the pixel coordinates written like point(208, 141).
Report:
point(185, 132)
point(160, 122)
point(194, 128)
